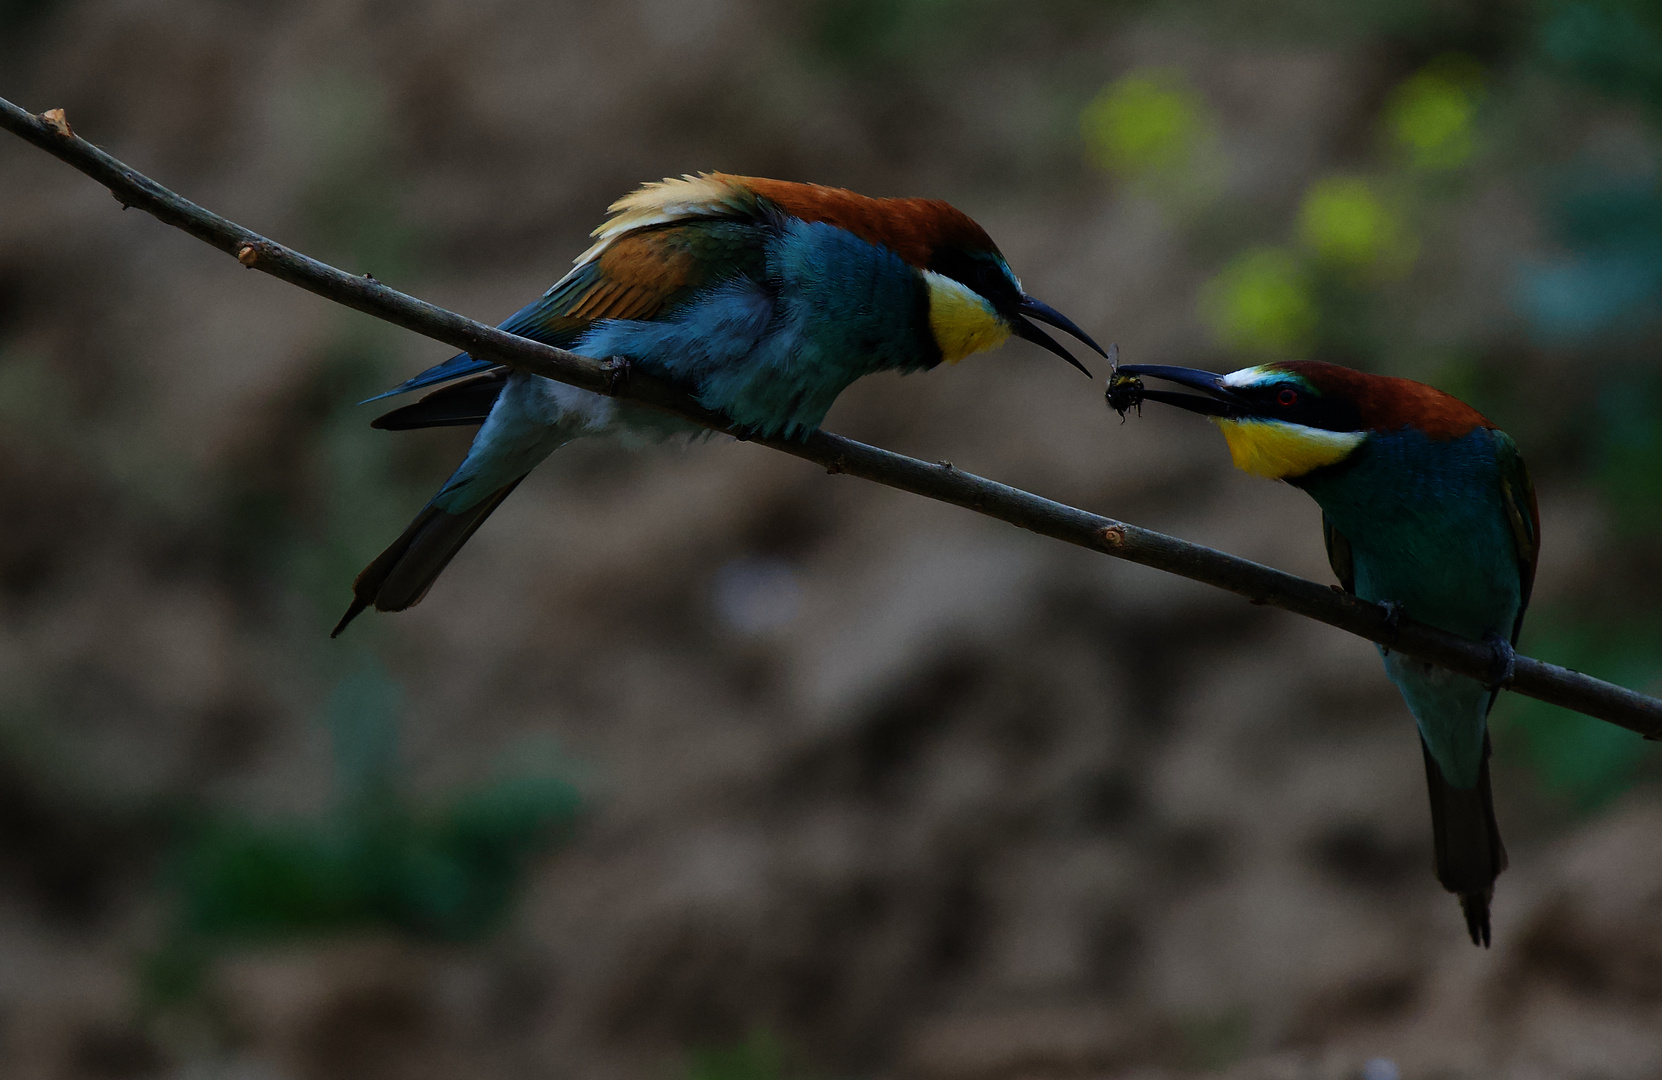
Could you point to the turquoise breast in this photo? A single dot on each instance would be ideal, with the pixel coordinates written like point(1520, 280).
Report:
point(1428, 529)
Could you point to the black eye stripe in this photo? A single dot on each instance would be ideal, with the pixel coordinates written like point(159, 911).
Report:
point(1300, 405)
point(982, 274)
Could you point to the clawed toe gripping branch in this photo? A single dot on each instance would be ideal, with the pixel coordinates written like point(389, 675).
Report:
point(1503, 668)
point(1261, 584)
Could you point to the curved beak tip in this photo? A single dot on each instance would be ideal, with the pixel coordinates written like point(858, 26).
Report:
point(1038, 309)
point(1029, 332)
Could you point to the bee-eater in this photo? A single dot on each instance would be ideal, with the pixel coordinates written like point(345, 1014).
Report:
point(763, 299)
point(1427, 509)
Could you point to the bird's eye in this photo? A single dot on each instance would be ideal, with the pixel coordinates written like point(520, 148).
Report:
point(1287, 395)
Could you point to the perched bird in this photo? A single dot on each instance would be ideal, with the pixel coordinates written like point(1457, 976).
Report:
point(1427, 509)
point(763, 299)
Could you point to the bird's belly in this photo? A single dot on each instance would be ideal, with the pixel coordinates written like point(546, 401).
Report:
point(1467, 596)
point(1446, 585)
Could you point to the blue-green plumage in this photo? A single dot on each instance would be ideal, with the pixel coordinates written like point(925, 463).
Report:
point(1425, 520)
point(762, 299)
point(1425, 507)
point(773, 347)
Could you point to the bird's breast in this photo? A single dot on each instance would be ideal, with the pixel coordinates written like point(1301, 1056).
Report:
point(1427, 528)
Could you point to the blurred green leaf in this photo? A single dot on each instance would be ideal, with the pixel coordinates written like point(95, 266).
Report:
point(1261, 302)
point(1142, 123)
point(1431, 115)
point(1345, 223)
point(1153, 130)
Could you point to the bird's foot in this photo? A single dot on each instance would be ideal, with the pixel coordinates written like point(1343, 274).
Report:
point(1505, 663)
point(618, 369)
point(1393, 619)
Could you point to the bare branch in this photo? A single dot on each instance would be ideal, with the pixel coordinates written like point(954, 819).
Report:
point(1260, 584)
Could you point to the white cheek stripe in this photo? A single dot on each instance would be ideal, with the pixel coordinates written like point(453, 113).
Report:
point(1244, 377)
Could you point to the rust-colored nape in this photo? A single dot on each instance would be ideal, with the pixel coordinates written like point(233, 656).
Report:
point(1387, 403)
point(912, 228)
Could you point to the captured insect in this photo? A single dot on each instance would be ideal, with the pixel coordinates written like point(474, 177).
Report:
point(1125, 392)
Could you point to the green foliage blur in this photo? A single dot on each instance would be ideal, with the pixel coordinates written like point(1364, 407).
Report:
point(759, 1057)
point(301, 505)
point(1153, 130)
point(377, 860)
point(1262, 304)
point(1431, 116)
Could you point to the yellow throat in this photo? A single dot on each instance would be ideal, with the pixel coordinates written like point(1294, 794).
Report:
point(1281, 451)
point(963, 322)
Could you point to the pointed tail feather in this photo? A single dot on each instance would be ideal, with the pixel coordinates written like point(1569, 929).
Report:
point(401, 575)
point(1470, 854)
point(453, 368)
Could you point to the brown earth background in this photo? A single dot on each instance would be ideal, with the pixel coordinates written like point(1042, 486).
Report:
point(870, 786)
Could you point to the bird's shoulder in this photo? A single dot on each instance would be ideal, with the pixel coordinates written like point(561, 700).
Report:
point(640, 274)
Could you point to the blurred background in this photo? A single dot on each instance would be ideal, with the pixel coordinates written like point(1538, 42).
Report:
point(699, 763)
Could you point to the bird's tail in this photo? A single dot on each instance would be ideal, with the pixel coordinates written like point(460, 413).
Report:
point(401, 575)
point(1469, 852)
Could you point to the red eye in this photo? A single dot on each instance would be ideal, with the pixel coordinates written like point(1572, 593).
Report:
point(1287, 396)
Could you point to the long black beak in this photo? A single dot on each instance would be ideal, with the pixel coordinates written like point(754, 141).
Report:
point(1038, 309)
point(1220, 400)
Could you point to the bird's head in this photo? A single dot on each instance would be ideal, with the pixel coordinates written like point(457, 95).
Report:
point(975, 302)
point(1286, 420)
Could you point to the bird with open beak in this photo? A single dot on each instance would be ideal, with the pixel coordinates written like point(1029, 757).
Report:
point(763, 299)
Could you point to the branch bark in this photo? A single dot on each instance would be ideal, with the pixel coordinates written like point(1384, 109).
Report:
point(1259, 584)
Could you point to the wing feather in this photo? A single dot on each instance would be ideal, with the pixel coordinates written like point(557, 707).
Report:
point(1517, 492)
point(637, 276)
point(1339, 556)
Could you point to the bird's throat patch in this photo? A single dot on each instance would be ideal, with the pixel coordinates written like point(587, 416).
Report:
point(1282, 451)
point(962, 322)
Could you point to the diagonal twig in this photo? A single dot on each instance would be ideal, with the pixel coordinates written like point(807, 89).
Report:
point(1260, 584)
